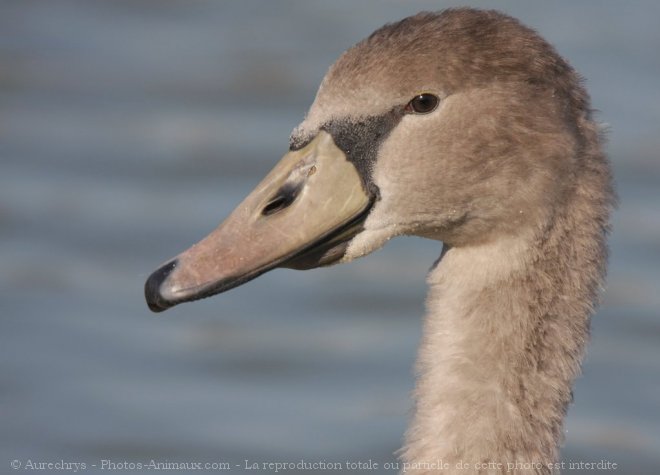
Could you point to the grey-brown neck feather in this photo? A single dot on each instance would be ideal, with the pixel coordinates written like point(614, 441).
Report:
point(505, 332)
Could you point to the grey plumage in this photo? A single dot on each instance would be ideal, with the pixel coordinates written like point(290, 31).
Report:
point(508, 171)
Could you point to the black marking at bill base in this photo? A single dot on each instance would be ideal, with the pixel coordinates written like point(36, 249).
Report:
point(360, 140)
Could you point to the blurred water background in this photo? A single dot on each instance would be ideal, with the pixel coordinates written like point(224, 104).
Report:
point(129, 129)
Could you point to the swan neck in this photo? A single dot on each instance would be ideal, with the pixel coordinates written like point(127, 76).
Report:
point(503, 338)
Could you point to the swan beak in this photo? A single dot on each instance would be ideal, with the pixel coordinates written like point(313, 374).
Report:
point(301, 216)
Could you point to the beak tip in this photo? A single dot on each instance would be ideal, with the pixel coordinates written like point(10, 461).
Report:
point(155, 308)
point(152, 293)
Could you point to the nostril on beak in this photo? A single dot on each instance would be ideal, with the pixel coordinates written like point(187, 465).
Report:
point(276, 204)
point(283, 199)
point(152, 293)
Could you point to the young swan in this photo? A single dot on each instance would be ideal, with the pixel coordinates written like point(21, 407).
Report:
point(466, 127)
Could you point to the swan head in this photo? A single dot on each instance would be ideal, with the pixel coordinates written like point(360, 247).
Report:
point(460, 126)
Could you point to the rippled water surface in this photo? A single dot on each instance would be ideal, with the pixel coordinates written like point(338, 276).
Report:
point(129, 129)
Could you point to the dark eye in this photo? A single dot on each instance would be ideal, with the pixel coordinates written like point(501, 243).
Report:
point(422, 104)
